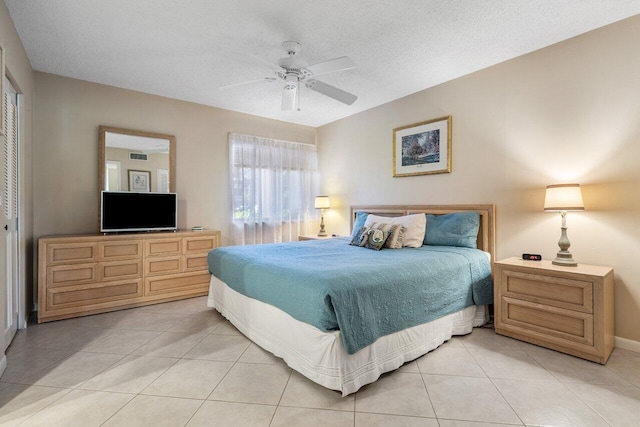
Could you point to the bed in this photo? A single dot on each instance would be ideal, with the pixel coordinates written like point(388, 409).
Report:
point(297, 300)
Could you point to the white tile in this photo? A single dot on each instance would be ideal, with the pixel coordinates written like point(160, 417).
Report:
point(488, 339)
point(364, 419)
point(255, 354)
point(251, 383)
point(627, 367)
point(74, 370)
point(21, 364)
point(194, 379)
point(183, 307)
point(292, 417)
point(231, 414)
point(197, 324)
point(121, 341)
point(618, 405)
point(568, 368)
point(460, 423)
point(72, 339)
point(226, 328)
point(509, 364)
point(547, 403)
point(304, 393)
point(158, 322)
point(169, 344)
point(80, 408)
point(223, 348)
point(130, 375)
point(409, 368)
point(395, 393)
point(155, 411)
point(19, 402)
point(450, 361)
point(467, 398)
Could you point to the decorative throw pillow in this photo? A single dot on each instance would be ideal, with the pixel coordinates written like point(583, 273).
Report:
point(396, 234)
point(375, 239)
point(455, 229)
point(361, 217)
point(415, 227)
point(359, 237)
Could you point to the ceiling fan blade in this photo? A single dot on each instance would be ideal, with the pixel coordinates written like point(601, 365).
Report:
point(269, 64)
point(262, 80)
point(289, 96)
point(331, 91)
point(333, 65)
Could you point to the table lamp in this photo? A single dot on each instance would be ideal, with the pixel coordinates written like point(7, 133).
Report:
point(562, 198)
point(322, 203)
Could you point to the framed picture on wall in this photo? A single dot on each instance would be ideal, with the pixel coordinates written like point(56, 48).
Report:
point(139, 181)
point(422, 148)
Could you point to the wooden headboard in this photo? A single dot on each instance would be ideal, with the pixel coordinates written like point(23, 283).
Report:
point(486, 234)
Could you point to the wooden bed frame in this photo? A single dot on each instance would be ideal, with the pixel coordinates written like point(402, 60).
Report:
point(486, 233)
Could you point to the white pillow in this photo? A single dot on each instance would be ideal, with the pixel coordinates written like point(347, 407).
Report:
point(415, 225)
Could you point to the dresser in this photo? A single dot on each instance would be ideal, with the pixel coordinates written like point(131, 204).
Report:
point(568, 309)
point(88, 274)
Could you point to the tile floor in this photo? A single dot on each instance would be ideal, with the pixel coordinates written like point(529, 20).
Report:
point(182, 364)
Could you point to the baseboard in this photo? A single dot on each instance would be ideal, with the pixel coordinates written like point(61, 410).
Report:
point(3, 364)
point(627, 344)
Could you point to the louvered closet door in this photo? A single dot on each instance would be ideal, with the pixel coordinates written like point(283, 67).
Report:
point(9, 281)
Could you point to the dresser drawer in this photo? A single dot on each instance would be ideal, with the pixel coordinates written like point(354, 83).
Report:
point(88, 297)
point(154, 266)
point(122, 249)
point(549, 290)
point(195, 262)
point(163, 247)
point(119, 270)
point(66, 253)
point(194, 245)
point(185, 283)
point(73, 274)
point(565, 326)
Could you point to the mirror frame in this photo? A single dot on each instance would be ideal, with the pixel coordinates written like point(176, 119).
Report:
point(102, 130)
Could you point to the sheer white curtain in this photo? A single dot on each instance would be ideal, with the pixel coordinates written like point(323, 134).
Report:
point(273, 185)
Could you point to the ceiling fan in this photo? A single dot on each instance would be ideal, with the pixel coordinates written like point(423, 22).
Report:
point(295, 71)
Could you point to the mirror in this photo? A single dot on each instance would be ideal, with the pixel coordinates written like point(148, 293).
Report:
point(131, 160)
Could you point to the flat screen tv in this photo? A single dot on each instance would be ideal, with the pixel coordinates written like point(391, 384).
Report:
point(126, 211)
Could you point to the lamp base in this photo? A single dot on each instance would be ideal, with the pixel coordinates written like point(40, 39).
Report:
point(565, 259)
point(322, 233)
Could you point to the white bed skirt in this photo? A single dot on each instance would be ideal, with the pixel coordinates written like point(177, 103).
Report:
point(320, 356)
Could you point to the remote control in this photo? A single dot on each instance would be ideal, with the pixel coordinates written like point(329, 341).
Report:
point(532, 257)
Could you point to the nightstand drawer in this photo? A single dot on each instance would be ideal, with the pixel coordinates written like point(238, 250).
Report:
point(549, 290)
point(556, 322)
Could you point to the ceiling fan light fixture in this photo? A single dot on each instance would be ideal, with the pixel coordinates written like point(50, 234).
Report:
point(290, 96)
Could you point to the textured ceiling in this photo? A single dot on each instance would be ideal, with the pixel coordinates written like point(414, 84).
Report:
point(187, 49)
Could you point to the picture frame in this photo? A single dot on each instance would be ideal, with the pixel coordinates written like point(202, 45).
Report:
point(139, 181)
point(422, 148)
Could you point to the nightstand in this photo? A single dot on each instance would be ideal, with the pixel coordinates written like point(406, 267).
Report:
point(568, 309)
point(303, 237)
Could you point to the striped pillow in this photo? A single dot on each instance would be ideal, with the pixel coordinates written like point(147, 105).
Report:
point(396, 234)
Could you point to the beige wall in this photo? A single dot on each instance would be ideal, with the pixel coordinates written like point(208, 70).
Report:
point(68, 113)
point(18, 68)
point(566, 113)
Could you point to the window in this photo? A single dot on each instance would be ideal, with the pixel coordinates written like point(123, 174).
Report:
point(273, 185)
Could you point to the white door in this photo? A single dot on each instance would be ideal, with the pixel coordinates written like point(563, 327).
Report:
point(9, 277)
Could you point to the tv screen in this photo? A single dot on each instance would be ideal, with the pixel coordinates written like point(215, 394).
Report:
point(126, 211)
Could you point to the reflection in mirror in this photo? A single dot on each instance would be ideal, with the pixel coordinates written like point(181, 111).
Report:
point(136, 161)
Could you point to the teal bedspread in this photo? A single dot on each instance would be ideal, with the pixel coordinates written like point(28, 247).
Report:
point(365, 294)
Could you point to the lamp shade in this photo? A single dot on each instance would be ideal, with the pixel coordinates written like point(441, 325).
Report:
point(563, 197)
point(322, 202)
